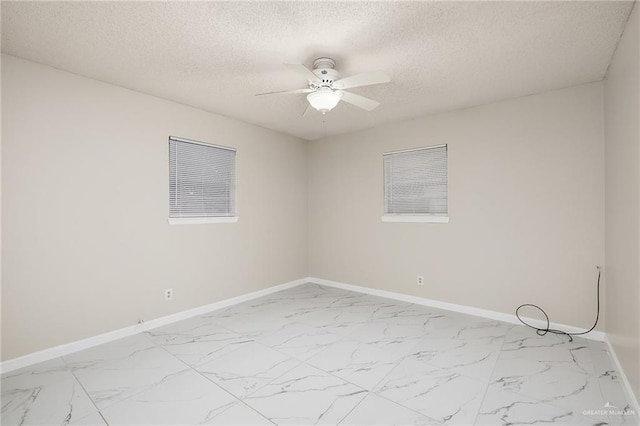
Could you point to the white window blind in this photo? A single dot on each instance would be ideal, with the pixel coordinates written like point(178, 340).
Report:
point(416, 181)
point(202, 180)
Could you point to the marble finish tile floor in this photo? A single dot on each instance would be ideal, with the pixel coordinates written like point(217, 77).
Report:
point(319, 355)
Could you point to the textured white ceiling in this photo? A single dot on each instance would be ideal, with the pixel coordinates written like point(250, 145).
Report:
point(217, 55)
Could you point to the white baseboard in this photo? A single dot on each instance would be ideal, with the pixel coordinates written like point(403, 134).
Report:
point(67, 348)
point(625, 381)
point(499, 316)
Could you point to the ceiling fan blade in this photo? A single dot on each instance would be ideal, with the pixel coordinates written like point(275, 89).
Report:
point(359, 101)
point(303, 71)
point(286, 92)
point(364, 79)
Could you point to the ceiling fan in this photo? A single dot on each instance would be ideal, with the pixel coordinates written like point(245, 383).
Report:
point(326, 88)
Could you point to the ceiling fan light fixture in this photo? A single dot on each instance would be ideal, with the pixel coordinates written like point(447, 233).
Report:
point(324, 100)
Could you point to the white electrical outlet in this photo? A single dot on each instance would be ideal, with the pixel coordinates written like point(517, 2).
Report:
point(168, 293)
point(420, 280)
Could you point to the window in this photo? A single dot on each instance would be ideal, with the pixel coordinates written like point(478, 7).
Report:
point(415, 185)
point(202, 182)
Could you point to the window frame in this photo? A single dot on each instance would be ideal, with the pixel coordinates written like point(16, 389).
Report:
point(203, 219)
point(413, 217)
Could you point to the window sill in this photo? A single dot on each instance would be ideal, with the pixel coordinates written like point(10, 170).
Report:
point(197, 220)
point(416, 219)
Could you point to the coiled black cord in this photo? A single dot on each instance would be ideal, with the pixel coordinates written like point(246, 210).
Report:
point(543, 331)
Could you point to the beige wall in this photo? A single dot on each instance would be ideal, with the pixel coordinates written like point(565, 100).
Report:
point(86, 247)
point(526, 196)
point(622, 177)
point(526, 206)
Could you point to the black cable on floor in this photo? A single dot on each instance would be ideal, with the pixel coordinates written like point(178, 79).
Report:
point(543, 331)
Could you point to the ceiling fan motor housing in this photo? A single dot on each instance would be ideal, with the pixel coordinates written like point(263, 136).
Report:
point(323, 69)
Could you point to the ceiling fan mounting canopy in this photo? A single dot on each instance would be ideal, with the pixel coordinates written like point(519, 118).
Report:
point(326, 88)
point(324, 62)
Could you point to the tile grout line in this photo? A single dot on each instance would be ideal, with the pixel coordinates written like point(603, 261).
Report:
point(73, 373)
point(493, 370)
point(113, 361)
point(371, 392)
point(298, 364)
point(402, 359)
point(217, 385)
